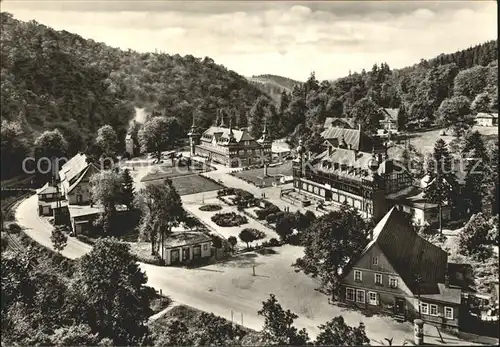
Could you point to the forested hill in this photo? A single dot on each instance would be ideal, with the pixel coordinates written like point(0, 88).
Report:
point(58, 79)
point(433, 91)
point(273, 84)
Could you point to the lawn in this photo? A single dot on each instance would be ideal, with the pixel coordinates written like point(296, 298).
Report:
point(167, 170)
point(424, 141)
point(191, 184)
point(256, 176)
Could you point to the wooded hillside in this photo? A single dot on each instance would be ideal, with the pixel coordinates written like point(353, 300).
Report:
point(58, 79)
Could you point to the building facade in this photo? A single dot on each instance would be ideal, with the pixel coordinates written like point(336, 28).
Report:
point(402, 274)
point(389, 122)
point(230, 147)
point(49, 198)
point(487, 119)
point(185, 247)
point(344, 173)
point(75, 179)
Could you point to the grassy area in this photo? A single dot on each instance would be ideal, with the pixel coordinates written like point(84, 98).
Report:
point(256, 176)
point(159, 303)
point(191, 184)
point(169, 171)
point(424, 141)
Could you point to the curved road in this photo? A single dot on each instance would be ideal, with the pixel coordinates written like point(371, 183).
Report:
point(220, 292)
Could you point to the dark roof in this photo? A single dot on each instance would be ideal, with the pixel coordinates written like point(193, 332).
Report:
point(354, 137)
point(390, 113)
point(222, 134)
point(450, 294)
point(408, 253)
point(184, 238)
point(335, 121)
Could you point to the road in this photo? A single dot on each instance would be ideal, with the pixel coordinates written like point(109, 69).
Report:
point(225, 287)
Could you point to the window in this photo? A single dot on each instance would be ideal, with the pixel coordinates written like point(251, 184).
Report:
point(375, 261)
point(448, 312)
point(349, 295)
point(393, 282)
point(358, 276)
point(378, 279)
point(372, 298)
point(424, 308)
point(205, 247)
point(434, 310)
point(360, 296)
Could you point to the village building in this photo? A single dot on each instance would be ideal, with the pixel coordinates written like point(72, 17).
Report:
point(231, 147)
point(49, 198)
point(347, 172)
point(347, 123)
point(389, 122)
point(83, 217)
point(75, 179)
point(421, 210)
point(487, 119)
point(185, 247)
point(402, 274)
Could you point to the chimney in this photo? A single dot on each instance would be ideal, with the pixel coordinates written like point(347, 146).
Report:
point(447, 281)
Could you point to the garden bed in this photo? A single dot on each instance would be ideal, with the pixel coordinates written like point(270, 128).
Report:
point(229, 219)
point(210, 208)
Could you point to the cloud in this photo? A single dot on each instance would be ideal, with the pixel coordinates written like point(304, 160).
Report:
point(289, 39)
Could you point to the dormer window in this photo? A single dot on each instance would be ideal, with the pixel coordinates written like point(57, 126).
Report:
point(336, 166)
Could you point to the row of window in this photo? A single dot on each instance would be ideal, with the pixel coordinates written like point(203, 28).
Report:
point(359, 296)
point(378, 278)
point(432, 310)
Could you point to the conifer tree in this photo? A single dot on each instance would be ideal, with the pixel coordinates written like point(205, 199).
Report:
point(442, 181)
point(128, 191)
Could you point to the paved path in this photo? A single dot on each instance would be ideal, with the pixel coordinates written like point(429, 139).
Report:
point(229, 286)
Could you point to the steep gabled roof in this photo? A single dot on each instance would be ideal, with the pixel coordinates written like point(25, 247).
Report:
point(332, 121)
point(222, 134)
point(390, 113)
point(73, 167)
point(409, 254)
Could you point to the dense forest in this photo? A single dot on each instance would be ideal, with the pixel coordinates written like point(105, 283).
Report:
point(433, 91)
point(273, 84)
point(56, 79)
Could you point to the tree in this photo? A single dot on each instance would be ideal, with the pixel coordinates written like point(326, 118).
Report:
point(217, 243)
point(366, 113)
point(158, 134)
point(477, 171)
point(51, 144)
point(473, 238)
point(107, 139)
point(212, 330)
point(481, 103)
point(491, 180)
point(256, 117)
point(59, 239)
point(114, 293)
point(75, 335)
point(402, 120)
point(455, 112)
point(337, 333)
point(330, 242)
point(128, 190)
point(442, 182)
point(247, 236)
point(162, 210)
point(278, 324)
point(106, 190)
point(232, 241)
point(285, 223)
point(14, 148)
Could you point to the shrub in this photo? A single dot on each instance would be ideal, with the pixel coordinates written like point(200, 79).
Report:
point(271, 218)
point(248, 235)
point(230, 219)
point(85, 239)
point(5, 243)
point(14, 228)
point(273, 242)
point(210, 208)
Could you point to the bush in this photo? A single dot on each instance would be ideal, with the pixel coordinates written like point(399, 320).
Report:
point(274, 243)
point(210, 208)
point(85, 239)
point(230, 219)
point(271, 218)
point(5, 243)
point(14, 228)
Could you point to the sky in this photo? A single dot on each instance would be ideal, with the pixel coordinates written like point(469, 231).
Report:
point(287, 38)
